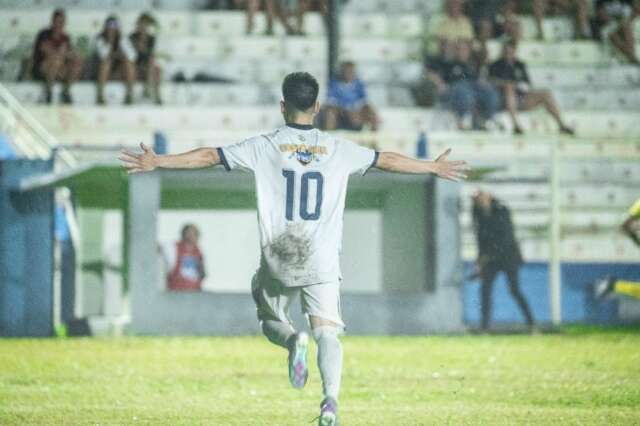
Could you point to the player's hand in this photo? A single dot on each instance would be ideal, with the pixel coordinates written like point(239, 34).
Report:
point(451, 170)
point(135, 163)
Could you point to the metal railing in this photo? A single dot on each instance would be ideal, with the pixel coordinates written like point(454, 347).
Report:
point(26, 134)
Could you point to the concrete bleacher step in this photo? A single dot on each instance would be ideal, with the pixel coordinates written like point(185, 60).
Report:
point(579, 195)
point(575, 220)
point(573, 248)
point(601, 77)
point(567, 52)
point(401, 120)
point(105, 4)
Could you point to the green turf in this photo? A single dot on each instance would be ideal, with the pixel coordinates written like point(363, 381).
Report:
point(582, 376)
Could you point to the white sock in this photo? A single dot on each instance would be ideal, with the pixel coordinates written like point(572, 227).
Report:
point(277, 332)
point(329, 359)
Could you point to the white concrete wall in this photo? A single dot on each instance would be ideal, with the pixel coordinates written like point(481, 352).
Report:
point(229, 241)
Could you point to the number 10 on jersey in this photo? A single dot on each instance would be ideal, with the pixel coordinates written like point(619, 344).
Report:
point(306, 179)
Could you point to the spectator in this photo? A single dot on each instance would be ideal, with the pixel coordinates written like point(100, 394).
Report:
point(454, 26)
point(614, 23)
point(483, 14)
point(114, 54)
point(55, 59)
point(511, 77)
point(185, 263)
point(432, 86)
point(460, 87)
point(147, 69)
point(500, 20)
point(272, 8)
point(347, 106)
point(301, 7)
point(498, 251)
point(541, 7)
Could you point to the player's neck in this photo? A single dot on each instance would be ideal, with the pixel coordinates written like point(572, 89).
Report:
point(297, 119)
point(303, 122)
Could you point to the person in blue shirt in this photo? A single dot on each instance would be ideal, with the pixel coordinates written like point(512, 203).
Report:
point(347, 106)
point(6, 150)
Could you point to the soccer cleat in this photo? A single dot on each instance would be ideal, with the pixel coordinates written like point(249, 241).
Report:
point(603, 287)
point(328, 412)
point(298, 370)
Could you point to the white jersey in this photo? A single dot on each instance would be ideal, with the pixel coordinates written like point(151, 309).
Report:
point(301, 177)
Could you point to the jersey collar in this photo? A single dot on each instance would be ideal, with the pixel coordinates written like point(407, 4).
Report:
point(300, 126)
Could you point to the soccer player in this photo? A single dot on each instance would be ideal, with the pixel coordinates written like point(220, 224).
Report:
point(610, 285)
point(301, 177)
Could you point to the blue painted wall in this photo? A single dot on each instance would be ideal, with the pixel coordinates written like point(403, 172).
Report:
point(578, 304)
point(26, 252)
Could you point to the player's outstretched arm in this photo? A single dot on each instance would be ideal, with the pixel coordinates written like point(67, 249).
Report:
point(149, 160)
point(442, 167)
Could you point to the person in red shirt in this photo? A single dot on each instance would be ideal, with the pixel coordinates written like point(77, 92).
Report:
point(187, 271)
point(55, 59)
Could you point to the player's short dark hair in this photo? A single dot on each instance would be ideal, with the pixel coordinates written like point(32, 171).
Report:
point(58, 12)
point(300, 91)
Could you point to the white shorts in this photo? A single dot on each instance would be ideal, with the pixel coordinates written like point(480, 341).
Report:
point(273, 300)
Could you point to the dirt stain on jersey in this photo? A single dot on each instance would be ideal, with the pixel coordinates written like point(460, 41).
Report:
point(292, 248)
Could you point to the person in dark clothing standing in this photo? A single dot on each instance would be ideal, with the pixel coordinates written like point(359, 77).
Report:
point(498, 251)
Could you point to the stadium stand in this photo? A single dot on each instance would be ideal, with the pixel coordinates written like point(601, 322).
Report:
point(600, 97)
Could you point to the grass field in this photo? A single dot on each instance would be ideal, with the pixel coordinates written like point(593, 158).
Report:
point(579, 376)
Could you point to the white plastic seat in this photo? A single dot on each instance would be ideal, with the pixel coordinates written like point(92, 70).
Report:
point(376, 49)
point(306, 48)
point(400, 97)
point(405, 26)
point(407, 72)
point(189, 47)
point(220, 23)
point(575, 52)
point(363, 25)
point(377, 95)
point(16, 22)
point(555, 28)
point(256, 48)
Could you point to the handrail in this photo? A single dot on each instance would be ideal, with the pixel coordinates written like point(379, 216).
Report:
point(39, 143)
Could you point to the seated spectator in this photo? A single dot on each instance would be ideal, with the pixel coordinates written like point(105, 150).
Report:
point(55, 59)
point(114, 54)
point(503, 22)
point(581, 9)
point(347, 106)
point(613, 23)
point(507, 24)
point(272, 8)
point(511, 77)
point(454, 25)
point(184, 261)
point(483, 14)
point(147, 69)
point(301, 7)
point(459, 86)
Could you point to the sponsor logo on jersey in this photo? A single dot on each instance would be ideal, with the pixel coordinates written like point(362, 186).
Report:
point(303, 153)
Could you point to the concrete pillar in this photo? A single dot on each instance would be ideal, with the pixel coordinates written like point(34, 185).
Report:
point(143, 208)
